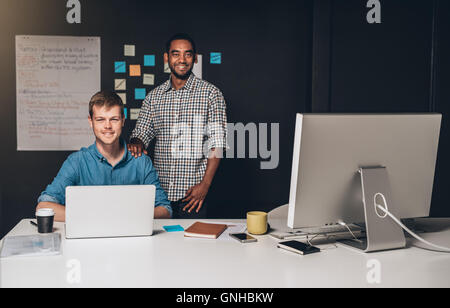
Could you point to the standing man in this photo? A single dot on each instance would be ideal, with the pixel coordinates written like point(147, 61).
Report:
point(187, 116)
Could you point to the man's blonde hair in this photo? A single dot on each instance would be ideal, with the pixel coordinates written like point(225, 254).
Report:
point(108, 99)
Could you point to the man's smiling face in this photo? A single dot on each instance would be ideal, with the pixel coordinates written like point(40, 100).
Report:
point(107, 124)
point(181, 58)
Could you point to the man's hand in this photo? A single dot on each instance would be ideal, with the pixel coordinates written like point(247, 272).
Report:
point(136, 147)
point(196, 196)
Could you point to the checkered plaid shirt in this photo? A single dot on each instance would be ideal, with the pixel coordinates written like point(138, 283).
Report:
point(187, 123)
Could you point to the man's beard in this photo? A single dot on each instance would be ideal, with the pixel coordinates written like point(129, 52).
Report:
point(182, 77)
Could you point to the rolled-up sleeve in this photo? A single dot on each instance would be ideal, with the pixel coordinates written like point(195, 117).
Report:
point(151, 178)
point(217, 121)
point(67, 176)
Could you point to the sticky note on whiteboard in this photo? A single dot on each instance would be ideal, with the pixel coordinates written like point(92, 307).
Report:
point(149, 60)
point(198, 67)
point(134, 113)
point(123, 97)
point(120, 84)
point(216, 58)
point(149, 79)
point(129, 50)
point(120, 67)
point(166, 68)
point(135, 70)
point(139, 94)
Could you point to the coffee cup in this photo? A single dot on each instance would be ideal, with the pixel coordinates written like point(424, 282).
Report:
point(45, 218)
point(257, 222)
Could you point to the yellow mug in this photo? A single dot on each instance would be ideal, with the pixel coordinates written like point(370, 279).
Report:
point(257, 222)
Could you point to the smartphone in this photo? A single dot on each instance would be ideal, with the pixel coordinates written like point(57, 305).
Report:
point(243, 237)
point(298, 247)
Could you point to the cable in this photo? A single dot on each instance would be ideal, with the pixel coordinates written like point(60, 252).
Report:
point(354, 237)
point(309, 240)
point(441, 248)
point(322, 249)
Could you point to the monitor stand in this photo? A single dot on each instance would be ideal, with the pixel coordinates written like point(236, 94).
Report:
point(381, 231)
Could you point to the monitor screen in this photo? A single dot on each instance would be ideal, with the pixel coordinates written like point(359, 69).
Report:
point(329, 149)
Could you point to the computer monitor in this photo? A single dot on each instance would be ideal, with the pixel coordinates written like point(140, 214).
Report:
point(329, 149)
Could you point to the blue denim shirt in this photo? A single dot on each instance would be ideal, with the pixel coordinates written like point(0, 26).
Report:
point(88, 167)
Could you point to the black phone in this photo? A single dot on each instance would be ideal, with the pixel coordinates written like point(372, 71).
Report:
point(298, 247)
point(243, 237)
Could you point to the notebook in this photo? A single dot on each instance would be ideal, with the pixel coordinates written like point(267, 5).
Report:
point(205, 230)
point(32, 245)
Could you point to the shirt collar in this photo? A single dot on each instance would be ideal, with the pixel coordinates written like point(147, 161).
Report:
point(94, 150)
point(188, 85)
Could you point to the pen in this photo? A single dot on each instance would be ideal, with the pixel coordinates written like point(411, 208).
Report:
point(33, 223)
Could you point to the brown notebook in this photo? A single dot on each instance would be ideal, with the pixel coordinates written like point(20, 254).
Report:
point(205, 230)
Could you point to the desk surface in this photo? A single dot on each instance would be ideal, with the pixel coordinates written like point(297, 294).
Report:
point(171, 260)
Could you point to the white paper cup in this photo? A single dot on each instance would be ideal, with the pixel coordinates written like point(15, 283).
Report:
point(45, 218)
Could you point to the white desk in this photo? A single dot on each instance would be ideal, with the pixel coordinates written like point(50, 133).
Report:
point(171, 260)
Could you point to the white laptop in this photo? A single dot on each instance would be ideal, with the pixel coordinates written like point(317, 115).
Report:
point(109, 211)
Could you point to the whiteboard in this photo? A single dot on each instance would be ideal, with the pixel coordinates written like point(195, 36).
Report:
point(56, 77)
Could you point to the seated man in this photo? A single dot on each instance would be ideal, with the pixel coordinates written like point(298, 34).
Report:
point(106, 162)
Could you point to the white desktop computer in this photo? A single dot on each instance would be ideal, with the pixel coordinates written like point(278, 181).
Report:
point(345, 165)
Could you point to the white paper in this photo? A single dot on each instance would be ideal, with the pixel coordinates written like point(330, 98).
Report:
point(134, 113)
point(166, 68)
point(32, 245)
point(56, 77)
point(123, 96)
point(129, 50)
point(149, 79)
point(120, 84)
point(197, 69)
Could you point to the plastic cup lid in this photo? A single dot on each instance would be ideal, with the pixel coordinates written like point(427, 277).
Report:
point(45, 212)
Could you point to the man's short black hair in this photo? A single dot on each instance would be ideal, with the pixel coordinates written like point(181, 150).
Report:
point(181, 36)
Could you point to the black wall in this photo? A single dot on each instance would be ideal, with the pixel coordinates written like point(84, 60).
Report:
point(440, 102)
point(279, 58)
point(381, 68)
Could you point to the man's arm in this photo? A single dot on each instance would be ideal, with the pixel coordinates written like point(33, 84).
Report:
point(144, 131)
point(217, 139)
point(162, 203)
point(161, 212)
point(54, 196)
point(196, 195)
point(60, 210)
